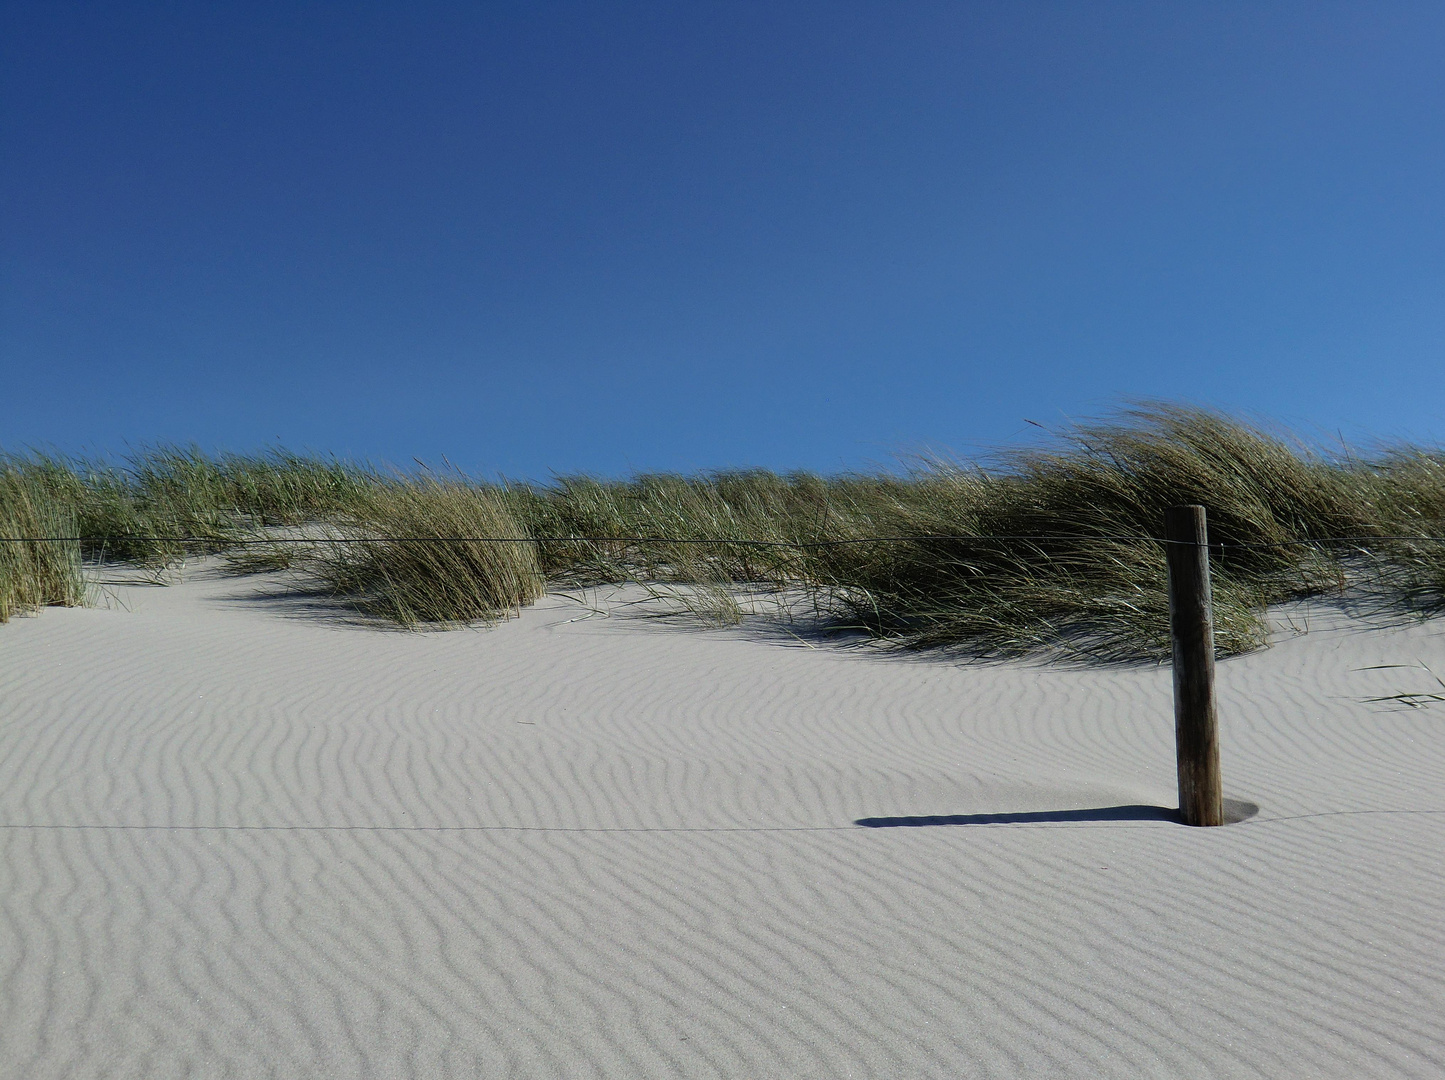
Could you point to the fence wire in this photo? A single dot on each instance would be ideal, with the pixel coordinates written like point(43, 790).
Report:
point(102, 541)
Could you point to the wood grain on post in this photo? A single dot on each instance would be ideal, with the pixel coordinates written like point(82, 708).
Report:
point(1191, 631)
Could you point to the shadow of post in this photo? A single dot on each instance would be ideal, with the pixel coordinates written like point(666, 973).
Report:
point(1235, 810)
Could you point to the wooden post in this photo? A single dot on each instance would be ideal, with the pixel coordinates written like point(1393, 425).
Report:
point(1191, 631)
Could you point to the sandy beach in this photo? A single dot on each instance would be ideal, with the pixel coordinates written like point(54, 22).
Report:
point(244, 837)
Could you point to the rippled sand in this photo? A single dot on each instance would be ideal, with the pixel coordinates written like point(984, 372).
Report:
point(246, 838)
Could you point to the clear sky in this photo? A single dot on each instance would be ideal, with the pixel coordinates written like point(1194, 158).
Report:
point(538, 237)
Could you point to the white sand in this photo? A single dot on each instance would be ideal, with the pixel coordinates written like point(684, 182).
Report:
point(243, 840)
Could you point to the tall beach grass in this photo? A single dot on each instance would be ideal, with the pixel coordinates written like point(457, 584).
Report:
point(34, 573)
point(1049, 549)
point(426, 551)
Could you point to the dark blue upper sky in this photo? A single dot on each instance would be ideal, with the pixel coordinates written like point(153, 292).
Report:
point(606, 237)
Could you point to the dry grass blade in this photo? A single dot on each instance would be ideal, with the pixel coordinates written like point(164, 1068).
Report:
point(1410, 700)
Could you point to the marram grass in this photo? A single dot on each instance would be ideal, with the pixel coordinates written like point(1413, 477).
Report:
point(34, 575)
point(464, 570)
point(1058, 555)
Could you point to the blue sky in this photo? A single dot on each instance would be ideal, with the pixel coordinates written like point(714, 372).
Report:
point(538, 237)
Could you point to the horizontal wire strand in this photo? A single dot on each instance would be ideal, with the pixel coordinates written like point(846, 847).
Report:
point(923, 538)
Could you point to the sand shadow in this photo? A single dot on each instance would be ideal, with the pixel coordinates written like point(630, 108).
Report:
point(1235, 810)
point(311, 605)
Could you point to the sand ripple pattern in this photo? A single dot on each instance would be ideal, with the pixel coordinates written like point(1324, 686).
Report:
point(237, 841)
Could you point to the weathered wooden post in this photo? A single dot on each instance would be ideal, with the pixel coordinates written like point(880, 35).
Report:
point(1191, 632)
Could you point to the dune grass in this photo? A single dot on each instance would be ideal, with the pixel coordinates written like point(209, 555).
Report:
point(1059, 554)
point(1043, 550)
point(167, 503)
point(425, 551)
point(34, 575)
point(1084, 575)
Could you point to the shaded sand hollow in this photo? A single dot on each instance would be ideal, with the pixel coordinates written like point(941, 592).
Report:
point(242, 838)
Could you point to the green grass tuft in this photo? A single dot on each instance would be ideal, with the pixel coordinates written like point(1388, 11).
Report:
point(33, 575)
point(410, 582)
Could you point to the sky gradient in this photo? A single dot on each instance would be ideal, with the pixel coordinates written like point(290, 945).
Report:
point(545, 237)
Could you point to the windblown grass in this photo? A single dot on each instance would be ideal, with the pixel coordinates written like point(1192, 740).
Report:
point(1047, 550)
point(1064, 557)
point(1408, 489)
point(167, 503)
point(34, 574)
point(426, 551)
point(707, 541)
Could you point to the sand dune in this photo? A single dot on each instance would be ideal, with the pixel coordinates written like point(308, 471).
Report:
point(242, 838)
